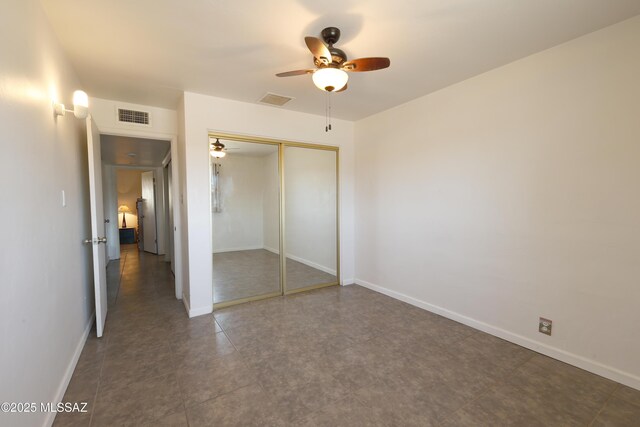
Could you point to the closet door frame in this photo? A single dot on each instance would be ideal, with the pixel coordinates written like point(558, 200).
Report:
point(281, 161)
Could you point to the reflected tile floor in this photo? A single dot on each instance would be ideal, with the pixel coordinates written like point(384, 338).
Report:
point(249, 273)
point(337, 356)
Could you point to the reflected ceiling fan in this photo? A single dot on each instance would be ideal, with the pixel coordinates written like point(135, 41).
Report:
point(331, 63)
point(217, 148)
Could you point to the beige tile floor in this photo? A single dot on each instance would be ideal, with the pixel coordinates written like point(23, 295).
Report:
point(243, 274)
point(340, 356)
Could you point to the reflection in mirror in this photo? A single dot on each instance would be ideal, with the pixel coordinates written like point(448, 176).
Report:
point(310, 217)
point(245, 212)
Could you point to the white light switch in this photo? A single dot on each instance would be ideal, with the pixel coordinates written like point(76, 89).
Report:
point(64, 199)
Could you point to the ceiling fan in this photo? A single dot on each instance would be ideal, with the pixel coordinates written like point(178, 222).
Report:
point(217, 148)
point(331, 63)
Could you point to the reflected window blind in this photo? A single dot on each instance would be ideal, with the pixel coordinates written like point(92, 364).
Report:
point(215, 187)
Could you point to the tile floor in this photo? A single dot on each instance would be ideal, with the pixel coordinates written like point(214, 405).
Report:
point(340, 356)
point(243, 274)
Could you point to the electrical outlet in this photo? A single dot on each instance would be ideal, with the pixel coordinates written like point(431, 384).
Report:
point(544, 326)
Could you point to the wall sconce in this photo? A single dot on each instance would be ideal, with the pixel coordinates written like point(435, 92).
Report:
point(80, 106)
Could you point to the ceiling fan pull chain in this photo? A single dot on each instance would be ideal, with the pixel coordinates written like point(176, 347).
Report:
point(326, 112)
point(329, 95)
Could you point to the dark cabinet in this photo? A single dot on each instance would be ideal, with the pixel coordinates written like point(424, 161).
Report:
point(127, 235)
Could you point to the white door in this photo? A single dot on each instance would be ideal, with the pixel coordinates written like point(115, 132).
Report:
point(149, 242)
point(98, 240)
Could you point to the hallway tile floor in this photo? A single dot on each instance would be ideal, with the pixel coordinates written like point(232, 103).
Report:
point(340, 356)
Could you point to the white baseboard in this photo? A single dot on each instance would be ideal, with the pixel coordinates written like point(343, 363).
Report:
point(303, 261)
point(245, 248)
point(347, 282)
point(62, 388)
point(186, 304)
point(312, 264)
point(273, 250)
point(556, 353)
point(199, 311)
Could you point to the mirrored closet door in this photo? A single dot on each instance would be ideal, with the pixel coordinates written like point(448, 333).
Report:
point(274, 216)
point(245, 222)
point(311, 238)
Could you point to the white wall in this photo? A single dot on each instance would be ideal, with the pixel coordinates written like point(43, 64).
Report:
point(162, 121)
point(514, 195)
point(203, 113)
point(239, 225)
point(46, 301)
point(310, 205)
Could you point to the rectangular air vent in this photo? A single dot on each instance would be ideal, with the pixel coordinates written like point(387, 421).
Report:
point(273, 99)
point(132, 116)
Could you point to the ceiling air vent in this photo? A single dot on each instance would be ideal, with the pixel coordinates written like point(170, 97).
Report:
point(273, 99)
point(132, 116)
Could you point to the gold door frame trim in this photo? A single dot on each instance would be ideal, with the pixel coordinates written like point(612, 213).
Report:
point(272, 141)
point(281, 143)
point(224, 304)
point(283, 250)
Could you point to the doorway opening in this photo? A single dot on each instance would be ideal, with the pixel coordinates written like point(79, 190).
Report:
point(136, 204)
point(117, 148)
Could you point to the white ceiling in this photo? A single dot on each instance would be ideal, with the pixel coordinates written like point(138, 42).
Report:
point(127, 151)
point(248, 149)
point(149, 51)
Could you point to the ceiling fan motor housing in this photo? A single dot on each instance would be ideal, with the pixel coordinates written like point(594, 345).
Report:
point(217, 145)
point(338, 57)
point(330, 35)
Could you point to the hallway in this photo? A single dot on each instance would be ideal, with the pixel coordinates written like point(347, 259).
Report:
point(337, 356)
point(128, 374)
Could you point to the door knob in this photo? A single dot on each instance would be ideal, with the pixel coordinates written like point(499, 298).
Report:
point(107, 221)
point(101, 240)
point(87, 241)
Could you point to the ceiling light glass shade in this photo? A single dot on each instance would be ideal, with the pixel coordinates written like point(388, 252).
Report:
point(330, 79)
point(217, 154)
point(80, 104)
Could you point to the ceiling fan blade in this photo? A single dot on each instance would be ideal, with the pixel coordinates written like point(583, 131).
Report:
point(318, 49)
point(366, 64)
point(294, 73)
point(344, 88)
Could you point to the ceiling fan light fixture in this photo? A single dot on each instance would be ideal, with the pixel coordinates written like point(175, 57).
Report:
point(330, 79)
point(216, 149)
